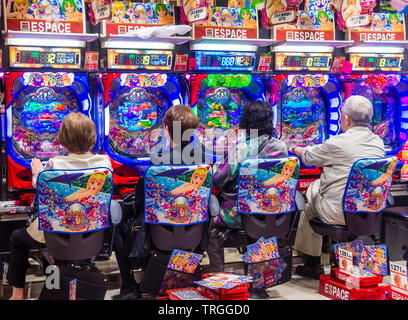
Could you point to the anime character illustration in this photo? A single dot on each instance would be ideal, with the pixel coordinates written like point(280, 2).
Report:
point(197, 180)
point(189, 5)
point(140, 16)
point(368, 185)
point(304, 19)
point(225, 18)
point(274, 6)
point(247, 19)
point(350, 8)
point(324, 21)
point(20, 9)
point(177, 195)
point(385, 178)
point(119, 12)
point(65, 205)
point(93, 186)
point(284, 176)
point(70, 9)
point(236, 3)
point(377, 22)
point(267, 187)
point(395, 23)
point(163, 14)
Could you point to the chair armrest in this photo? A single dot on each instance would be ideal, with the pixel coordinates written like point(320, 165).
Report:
point(300, 201)
point(116, 212)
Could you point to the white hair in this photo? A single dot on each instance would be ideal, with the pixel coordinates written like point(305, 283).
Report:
point(359, 109)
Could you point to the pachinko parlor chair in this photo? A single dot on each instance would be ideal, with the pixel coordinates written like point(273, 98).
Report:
point(269, 204)
point(176, 213)
point(75, 208)
point(397, 216)
point(364, 201)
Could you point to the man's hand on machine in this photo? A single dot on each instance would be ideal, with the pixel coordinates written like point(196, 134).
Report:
point(297, 151)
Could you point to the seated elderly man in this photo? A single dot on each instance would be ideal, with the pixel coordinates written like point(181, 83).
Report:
point(336, 156)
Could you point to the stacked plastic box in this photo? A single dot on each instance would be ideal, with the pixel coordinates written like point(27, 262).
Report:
point(343, 286)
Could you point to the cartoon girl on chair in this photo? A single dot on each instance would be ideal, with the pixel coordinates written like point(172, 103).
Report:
point(284, 176)
point(93, 187)
point(83, 208)
point(188, 188)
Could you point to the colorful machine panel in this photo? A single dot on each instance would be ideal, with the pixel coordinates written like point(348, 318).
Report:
point(127, 17)
point(368, 185)
point(139, 59)
point(74, 201)
point(217, 61)
point(217, 100)
point(36, 105)
point(267, 186)
point(388, 93)
point(134, 109)
point(35, 57)
point(310, 109)
point(177, 195)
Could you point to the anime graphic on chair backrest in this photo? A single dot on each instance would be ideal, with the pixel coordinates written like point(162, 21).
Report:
point(74, 201)
point(177, 195)
point(368, 184)
point(268, 186)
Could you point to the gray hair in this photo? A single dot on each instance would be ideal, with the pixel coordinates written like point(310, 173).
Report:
point(359, 109)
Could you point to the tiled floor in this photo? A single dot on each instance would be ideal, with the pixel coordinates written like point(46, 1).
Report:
point(299, 288)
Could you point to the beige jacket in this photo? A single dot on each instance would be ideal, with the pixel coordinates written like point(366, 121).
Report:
point(336, 156)
point(72, 161)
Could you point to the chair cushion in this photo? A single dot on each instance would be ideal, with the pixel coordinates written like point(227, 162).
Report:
point(397, 215)
point(335, 232)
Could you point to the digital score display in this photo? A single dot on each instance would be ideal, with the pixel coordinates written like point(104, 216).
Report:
point(297, 61)
point(216, 60)
point(139, 59)
point(33, 57)
point(376, 61)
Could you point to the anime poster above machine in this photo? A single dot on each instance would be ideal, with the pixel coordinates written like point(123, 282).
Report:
point(57, 16)
point(223, 22)
point(128, 17)
point(383, 27)
point(310, 25)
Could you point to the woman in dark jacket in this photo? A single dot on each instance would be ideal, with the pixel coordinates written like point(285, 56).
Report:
point(179, 121)
point(257, 121)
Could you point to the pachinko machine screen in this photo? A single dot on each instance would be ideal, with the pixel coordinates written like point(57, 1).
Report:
point(303, 116)
point(219, 107)
point(135, 112)
point(379, 90)
point(37, 113)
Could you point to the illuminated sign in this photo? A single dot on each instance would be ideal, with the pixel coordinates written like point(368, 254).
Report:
point(311, 80)
point(143, 79)
point(383, 80)
point(48, 79)
point(376, 61)
point(228, 80)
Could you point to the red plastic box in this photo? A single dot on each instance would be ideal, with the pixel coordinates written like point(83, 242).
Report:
point(375, 280)
point(215, 295)
point(334, 289)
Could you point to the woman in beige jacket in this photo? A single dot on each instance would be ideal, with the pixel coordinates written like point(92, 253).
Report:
point(78, 136)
